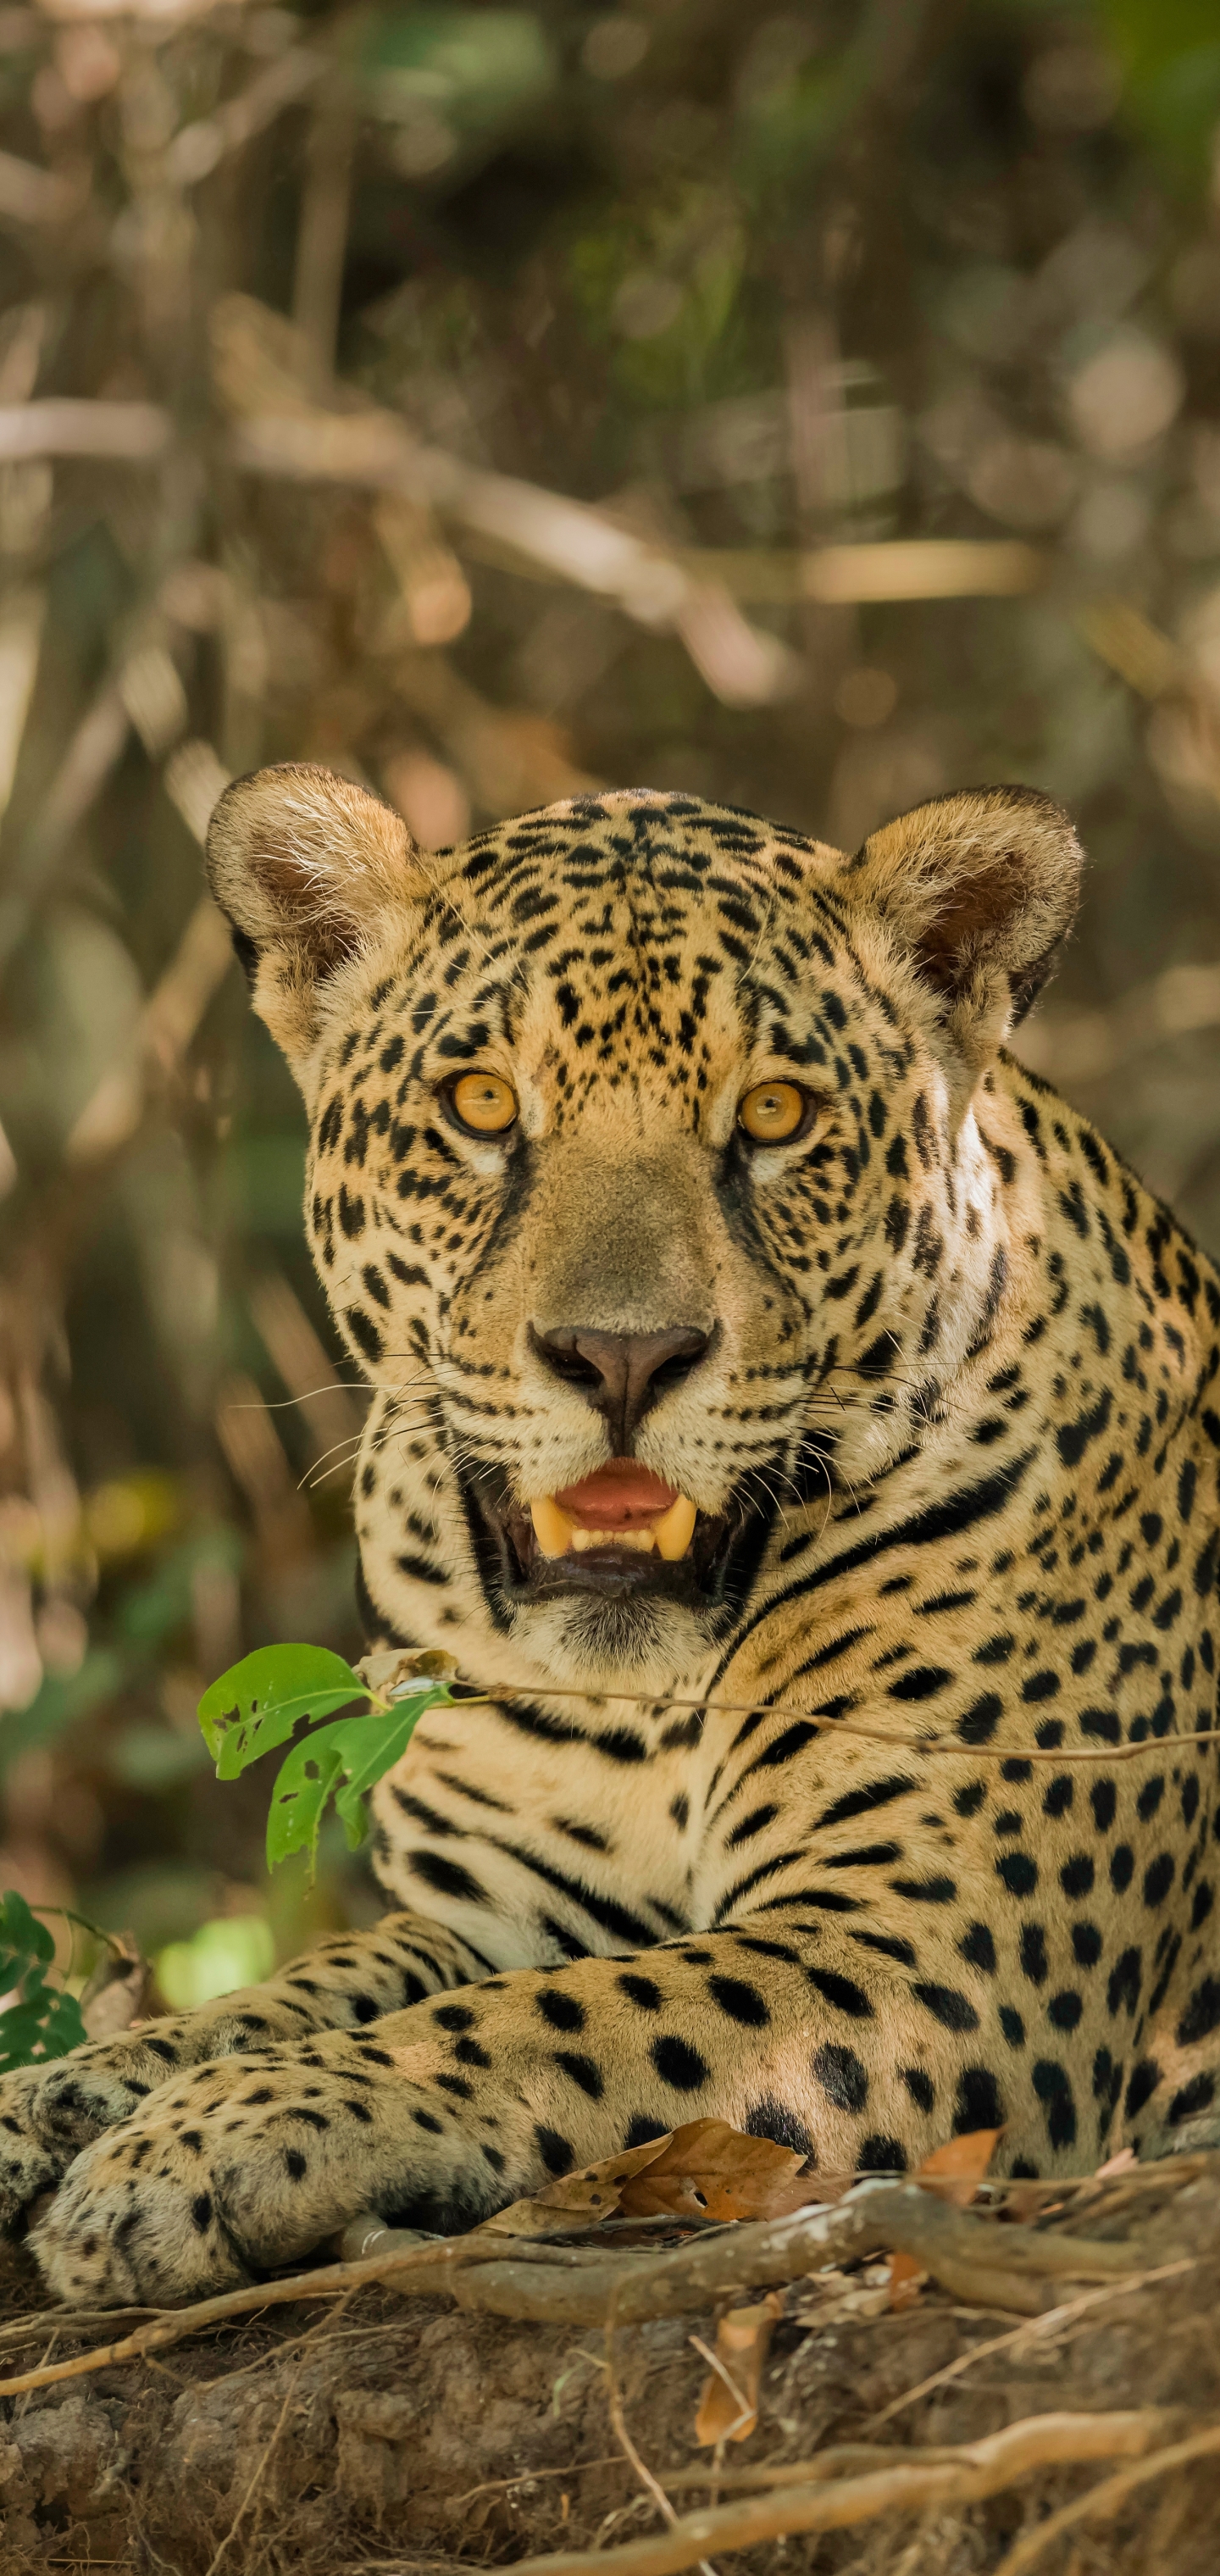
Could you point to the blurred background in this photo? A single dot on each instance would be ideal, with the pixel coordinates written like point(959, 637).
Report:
point(815, 408)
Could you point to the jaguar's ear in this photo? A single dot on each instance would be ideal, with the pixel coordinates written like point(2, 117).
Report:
point(309, 869)
point(980, 889)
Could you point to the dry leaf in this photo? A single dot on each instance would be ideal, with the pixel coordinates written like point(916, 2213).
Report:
point(704, 2170)
point(907, 2278)
point(709, 2170)
point(955, 2170)
point(728, 2408)
point(592, 2194)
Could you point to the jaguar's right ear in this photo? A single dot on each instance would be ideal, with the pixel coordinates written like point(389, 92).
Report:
point(310, 871)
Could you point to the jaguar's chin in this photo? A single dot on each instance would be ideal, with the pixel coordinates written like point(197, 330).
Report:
point(617, 1642)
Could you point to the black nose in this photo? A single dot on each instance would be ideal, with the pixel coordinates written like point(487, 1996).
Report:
point(622, 1374)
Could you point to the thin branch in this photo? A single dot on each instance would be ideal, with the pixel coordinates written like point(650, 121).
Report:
point(916, 1746)
point(172, 2325)
point(1051, 2322)
point(843, 2459)
point(974, 2471)
point(133, 433)
point(1106, 2498)
point(199, 148)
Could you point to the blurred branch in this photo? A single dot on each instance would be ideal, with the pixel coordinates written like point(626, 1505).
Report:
point(884, 569)
point(1185, 734)
point(563, 538)
point(146, 693)
point(92, 753)
point(332, 1412)
point(512, 760)
point(964, 2476)
point(1142, 656)
point(194, 778)
point(322, 234)
point(21, 624)
point(923, 568)
point(199, 148)
point(131, 432)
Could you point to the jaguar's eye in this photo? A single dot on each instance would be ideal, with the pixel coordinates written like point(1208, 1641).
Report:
point(484, 1103)
point(773, 1112)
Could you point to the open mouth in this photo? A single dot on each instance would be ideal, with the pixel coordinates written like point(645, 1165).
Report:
point(620, 1531)
point(623, 1506)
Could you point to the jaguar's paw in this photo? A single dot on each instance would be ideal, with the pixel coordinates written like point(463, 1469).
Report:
point(239, 2169)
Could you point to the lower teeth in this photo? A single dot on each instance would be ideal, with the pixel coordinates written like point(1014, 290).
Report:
point(640, 1539)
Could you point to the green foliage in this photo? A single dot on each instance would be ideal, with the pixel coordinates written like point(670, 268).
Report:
point(1171, 61)
point(659, 288)
point(43, 2021)
point(472, 73)
point(260, 1703)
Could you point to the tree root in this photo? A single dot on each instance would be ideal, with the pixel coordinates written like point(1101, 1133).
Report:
point(979, 2262)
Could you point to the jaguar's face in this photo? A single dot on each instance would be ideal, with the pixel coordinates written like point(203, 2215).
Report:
point(633, 1144)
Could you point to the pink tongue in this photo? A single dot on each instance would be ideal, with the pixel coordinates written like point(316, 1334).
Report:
point(617, 1496)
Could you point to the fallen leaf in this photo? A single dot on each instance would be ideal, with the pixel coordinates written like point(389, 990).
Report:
point(955, 2170)
point(592, 2194)
point(706, 2170)
point(709, 2170)
point(907, 2278)
point(728, 2408)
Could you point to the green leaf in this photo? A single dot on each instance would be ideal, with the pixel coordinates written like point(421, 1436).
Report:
point(257, 1703)
point(43, 2025)
point(20, 2034)
point(63, 2027)
point(303, 1785)
point(358, 1751)
point(42, 2022)
point(21, 1931)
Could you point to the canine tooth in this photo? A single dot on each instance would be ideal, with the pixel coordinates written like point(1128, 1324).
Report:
point(676, 1528)
point(552, 1528)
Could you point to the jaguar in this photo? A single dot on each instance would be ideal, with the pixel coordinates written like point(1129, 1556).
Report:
point(802, 1429)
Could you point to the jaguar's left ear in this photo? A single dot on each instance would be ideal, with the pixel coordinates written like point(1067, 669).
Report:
point(980, 889)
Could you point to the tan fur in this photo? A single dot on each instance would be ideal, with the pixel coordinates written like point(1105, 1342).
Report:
point(312, 869)
point(932, 1848)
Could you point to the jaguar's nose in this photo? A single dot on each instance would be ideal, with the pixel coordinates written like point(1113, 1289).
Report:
point(622, 1375)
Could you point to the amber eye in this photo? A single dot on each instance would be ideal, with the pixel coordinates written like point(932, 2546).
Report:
point(773, 1111)
point(484, 1103)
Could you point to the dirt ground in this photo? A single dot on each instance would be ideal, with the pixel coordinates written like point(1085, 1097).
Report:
point(391, 2433)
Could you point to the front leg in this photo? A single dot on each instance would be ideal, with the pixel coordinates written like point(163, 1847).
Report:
point(445, 2112)
point(48, 2113)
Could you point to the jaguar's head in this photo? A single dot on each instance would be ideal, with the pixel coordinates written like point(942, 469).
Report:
point(650, 1179)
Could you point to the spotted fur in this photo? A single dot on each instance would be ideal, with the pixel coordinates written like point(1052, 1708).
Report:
point(902, 1822)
